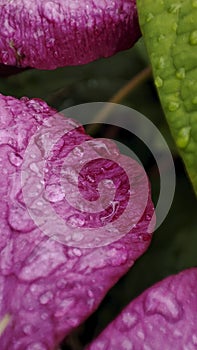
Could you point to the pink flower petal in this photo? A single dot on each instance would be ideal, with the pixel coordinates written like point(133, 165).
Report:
point(48, 34)
point(47, 288)
point(163, 317)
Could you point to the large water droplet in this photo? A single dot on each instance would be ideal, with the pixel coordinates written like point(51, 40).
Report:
point(193, 38)
point(194, 339)
point(180, 74)
point(174, 8)
point(127, 345)
point(76, 220)
point(161, 301)
point(140, 335)
point(15, 159)
point(78, 151)
point(149, 17)
point(183, 137)
point(28, 329)
point(158, 82)
point(173, 106)
point(54, 193)
point(127, 321)
point(19, 219)
point(46, 297)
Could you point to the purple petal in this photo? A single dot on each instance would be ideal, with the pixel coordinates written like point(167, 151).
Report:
point(47, 288)
point(53, 33)
point(163, 317)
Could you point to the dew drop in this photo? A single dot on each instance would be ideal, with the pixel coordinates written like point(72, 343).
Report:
point(173, 106)
point(14, 219)
point(193, 38)
point(174, 8)
point(180, 74)
point(127, 321)
point(183, 137)
point(161, 63)
point(160, 301)
point(28, 329)
point(15, 159)
point(46, 297)
point(194, 339)
point(78, 151)
point(76, 220)
point(174, 27)
point(44, 316)
point(77, 252)
point(77, 236)
point(141, 335)
point(36, 346)
point(127, 345)
point(54, 193)
point(158, 82)
point(149, 17)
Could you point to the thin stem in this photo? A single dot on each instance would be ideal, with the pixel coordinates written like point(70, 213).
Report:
point(118, 97)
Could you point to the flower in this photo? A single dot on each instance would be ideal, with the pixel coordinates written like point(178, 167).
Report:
point(164, 316)
point(56, 33)
point(47, 288)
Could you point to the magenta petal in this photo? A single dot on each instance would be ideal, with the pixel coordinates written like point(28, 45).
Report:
point(163, 317)
point(49, 34)
point(48, 288)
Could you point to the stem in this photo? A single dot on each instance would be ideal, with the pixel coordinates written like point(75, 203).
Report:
point(118, 97)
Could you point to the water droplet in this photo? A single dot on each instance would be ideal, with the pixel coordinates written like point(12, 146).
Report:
point(46, 297)
point(76, 220)
point(174, 8)
point(15, 159)
point(173, 106)
point(78, 151)
point(54, 193)
point(149, 17)
point(158, 82)
point(77, 236)
point(127, 321)
point(177, 333)
point(161, 63)
point(174, 27)
point(146, 347)
point(180, 74)
point(36, 346)
point(109, 184)
point(34, 167)
point(193, 38)
point(161, 301)
point(127, 345)
point(141, 335)
point(70, 175)
point(194, 339)
point(183, 137)
point(44, 316)
point(161, 37)
point(14, 219)
point(77, 252)
point(28, 329)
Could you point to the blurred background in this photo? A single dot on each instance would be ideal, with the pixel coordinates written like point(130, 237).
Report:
point(174, 244)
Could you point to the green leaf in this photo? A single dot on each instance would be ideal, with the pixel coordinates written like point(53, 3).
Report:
point(170, 32)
